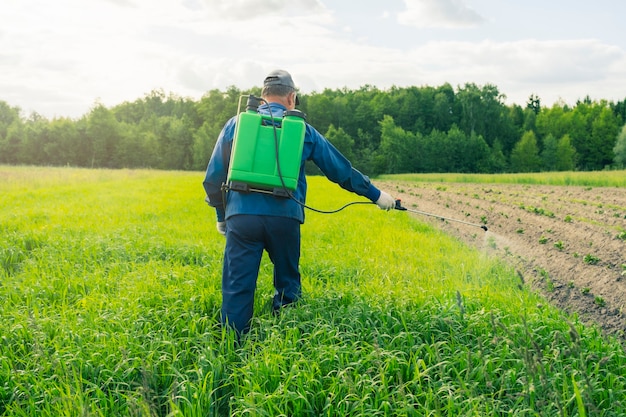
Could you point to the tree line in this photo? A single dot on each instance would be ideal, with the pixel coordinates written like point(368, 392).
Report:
point(410, 129)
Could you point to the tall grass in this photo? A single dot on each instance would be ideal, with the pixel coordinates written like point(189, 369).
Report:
point(587, 179)
point(110, 296)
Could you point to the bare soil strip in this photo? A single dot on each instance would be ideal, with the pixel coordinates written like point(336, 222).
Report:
point(567, 242)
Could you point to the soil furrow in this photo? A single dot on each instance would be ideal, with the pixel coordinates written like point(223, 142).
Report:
point(566, 241)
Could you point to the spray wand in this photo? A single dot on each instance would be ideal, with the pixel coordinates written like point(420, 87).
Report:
point(402, 208)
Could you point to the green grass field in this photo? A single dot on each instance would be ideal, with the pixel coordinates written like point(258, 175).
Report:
point(587, 179)
point(110, 297)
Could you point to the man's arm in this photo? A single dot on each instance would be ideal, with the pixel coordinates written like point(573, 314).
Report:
point(217, 169)
point(338, 168)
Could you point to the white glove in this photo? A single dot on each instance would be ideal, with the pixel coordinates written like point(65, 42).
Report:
point(385, 201)
point(221, 228)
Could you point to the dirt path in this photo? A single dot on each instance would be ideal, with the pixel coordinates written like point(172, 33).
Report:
point(568, 242)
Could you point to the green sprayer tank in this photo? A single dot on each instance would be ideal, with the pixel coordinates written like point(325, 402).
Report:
point(253, 164)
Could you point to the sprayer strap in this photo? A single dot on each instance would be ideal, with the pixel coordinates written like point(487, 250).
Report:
point(242, 187)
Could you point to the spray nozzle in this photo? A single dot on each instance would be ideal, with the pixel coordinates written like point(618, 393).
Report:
point(399, 205)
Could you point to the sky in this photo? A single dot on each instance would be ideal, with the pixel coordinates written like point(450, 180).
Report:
point(61, 58)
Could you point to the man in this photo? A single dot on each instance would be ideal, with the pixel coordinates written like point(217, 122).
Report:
point(253, 222)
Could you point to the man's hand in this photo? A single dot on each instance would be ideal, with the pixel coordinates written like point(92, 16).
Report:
point(221, 228)
point(385, 201)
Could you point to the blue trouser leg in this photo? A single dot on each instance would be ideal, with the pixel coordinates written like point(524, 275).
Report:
point(242, 257)
point(283, 248)
point(246, 238)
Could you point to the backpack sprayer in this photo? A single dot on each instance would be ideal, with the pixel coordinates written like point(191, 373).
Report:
point(267, 152)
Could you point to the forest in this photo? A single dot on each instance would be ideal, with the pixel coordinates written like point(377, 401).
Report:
point(469, 129)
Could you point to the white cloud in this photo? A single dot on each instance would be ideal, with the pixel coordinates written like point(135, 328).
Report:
point(58, 58)
point(254, 9)
point(552, 69)
point(528, 60)
point(439, 14)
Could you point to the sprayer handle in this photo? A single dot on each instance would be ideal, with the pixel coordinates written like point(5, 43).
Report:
point(399, 205)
